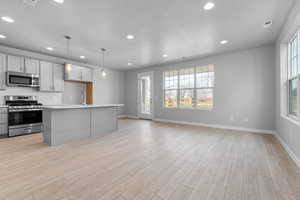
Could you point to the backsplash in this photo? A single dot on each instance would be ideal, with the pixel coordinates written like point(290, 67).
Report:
point(46, 98)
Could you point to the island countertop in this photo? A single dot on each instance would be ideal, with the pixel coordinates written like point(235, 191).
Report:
point(56, 107)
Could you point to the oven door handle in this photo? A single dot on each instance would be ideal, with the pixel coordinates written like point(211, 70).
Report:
point(22, 110)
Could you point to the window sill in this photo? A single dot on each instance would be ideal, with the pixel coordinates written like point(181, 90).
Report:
point(194, 109)
point(292, 119)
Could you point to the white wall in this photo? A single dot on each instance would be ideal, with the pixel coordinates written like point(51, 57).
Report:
point(244, 90)
point(288, 130)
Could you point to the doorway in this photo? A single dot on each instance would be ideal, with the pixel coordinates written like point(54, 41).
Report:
point(145, 95)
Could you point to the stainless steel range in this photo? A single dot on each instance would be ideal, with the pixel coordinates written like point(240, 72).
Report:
point(25, 115)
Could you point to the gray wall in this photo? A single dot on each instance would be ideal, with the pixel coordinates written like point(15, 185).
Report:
point(244, 94)
point(109, 89)
point(287, 129)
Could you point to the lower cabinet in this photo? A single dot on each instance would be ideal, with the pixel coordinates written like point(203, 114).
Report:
point(3, 123)
point(3, 130)
point(2, 71)
point(51, 77)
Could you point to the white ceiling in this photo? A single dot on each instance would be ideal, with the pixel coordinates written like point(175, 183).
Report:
point(179, 28)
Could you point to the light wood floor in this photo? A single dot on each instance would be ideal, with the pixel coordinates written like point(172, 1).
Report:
point(150, 161)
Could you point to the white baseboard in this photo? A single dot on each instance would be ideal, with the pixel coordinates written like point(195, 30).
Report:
point(218, 126)
point(288, 150)
point(128, 116)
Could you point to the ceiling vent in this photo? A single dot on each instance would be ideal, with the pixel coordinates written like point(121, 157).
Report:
point(31, 2)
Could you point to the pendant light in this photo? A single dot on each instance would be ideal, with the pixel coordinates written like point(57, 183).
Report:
point(68, 65)
point(103, 72)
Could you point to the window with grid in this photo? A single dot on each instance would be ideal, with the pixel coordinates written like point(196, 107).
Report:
point(204, 87)
point(293, 77)
point(189, 88)
point(170, 89)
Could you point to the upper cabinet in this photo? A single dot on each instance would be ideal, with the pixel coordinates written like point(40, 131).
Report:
point(21, 64)
point(74, 74)
point(32, 66)
point(87, 75)
point(51, 77)
point(78, 73)
point(46, 76)
point(58, 77)
point(2, 71)
point(15, 63)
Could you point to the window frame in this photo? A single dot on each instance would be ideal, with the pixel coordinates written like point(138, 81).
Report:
point(290, 77)
point(195, 88)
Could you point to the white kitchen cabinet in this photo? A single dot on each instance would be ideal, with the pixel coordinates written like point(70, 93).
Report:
point(3, 122)
point(79, 73)
point(2, 71)
point(58, 77)
point(87, 74)
point(15, 63)
point(21, 64)
point(74, 74)
point(3, 130)
point(32, 66)
point(51, 77)
point(46, 76)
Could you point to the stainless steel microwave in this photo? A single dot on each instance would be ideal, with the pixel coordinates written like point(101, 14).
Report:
point(17, 79)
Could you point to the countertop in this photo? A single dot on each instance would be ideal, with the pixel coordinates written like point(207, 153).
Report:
point(56, 107)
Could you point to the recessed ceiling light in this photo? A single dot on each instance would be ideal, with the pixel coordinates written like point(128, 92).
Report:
point(129, 64)
point(209, 6)
point(130, 37)
point(224, 42)
point(50, 49)
point(165, 55)
point(82, 57)
point(2, 36)
point(59, 1)
point(268, 24)
point(8, 19)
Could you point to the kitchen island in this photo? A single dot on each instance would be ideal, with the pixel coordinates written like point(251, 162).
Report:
point(66, 123)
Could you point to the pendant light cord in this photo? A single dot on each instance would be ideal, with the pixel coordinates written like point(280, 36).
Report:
point(103, 54)
point(103, 59)
point(68, 38)
point(68, 49)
